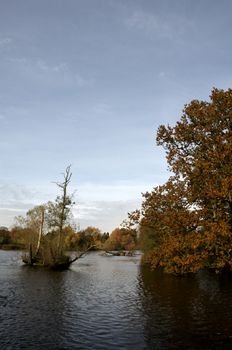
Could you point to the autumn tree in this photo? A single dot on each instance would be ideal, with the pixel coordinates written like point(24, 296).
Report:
point(29, 228)
point(90, 236)
point(121, 239)
point(199, 149)
point(167, 227)
point(186, 224)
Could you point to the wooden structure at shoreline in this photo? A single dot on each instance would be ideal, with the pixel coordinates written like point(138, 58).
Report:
point(119, 253)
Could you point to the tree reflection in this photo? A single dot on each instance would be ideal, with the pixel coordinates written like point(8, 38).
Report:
point(192, 312)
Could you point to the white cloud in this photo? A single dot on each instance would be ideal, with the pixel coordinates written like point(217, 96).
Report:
point(104, 206)
point(17, 199)
point(15, 193)
point(105, 215)
point(19, 210)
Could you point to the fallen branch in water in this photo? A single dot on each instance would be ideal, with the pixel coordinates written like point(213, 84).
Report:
point(81, 254)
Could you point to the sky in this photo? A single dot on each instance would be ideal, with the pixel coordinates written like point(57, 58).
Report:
point(87, 83)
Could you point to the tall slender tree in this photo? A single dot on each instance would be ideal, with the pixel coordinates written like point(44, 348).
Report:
point(63, 206)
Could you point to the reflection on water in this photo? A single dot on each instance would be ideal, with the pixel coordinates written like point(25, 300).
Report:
point(193, 312)
point(111, 303)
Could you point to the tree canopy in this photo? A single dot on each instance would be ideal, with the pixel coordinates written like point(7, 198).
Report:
point(121, 239)
point(186, 224)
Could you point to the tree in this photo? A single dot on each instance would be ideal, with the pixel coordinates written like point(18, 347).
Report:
point(186, 224)
point(121, 239)
point(167, 226)
point(61, 209)
point(90, 236)
point(49, 250)
point(199, 149)
point(4, 235)
point(29, 229)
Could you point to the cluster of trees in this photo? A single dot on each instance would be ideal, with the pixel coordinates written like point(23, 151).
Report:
point(186, 224)
point(49, 230)
point(15, 238)
point(46, 225)
point(122, 239)
point(26, 230)
point(89, 237)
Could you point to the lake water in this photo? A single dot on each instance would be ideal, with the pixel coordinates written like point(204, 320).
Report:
point(111, 303)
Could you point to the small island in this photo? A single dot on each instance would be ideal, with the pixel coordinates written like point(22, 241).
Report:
point(47, 234)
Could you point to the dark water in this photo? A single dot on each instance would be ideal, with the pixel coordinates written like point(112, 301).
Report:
point(111, 303)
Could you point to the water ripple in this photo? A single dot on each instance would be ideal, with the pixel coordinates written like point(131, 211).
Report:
point(103, 303)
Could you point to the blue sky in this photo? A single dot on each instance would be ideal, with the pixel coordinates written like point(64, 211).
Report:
point(87, 83)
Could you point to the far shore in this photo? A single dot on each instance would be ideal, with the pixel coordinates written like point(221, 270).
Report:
point(12, 246)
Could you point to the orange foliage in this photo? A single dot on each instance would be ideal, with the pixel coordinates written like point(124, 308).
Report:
point(186, 224)
point(121, 239)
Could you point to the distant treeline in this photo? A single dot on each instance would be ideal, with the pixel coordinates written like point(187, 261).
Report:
point(20, 237)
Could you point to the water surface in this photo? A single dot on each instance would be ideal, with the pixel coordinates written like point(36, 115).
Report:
point(111, 303)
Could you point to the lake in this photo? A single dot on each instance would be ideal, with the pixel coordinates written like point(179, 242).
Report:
point(111, 303)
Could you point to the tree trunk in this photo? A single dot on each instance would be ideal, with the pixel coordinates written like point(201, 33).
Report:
point(40, 233)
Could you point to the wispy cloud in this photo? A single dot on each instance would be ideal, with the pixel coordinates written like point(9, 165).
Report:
point(16, 193)
point(104, 206)
point(105, 215)
point(14, 210)
point(152, 24)
point(14, 200)
point(56, 68)
point(17, 199)
point(57, 72)
point(87, 210)
point(64, 68)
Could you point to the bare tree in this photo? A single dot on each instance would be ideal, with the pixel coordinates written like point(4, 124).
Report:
point(64, 202)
